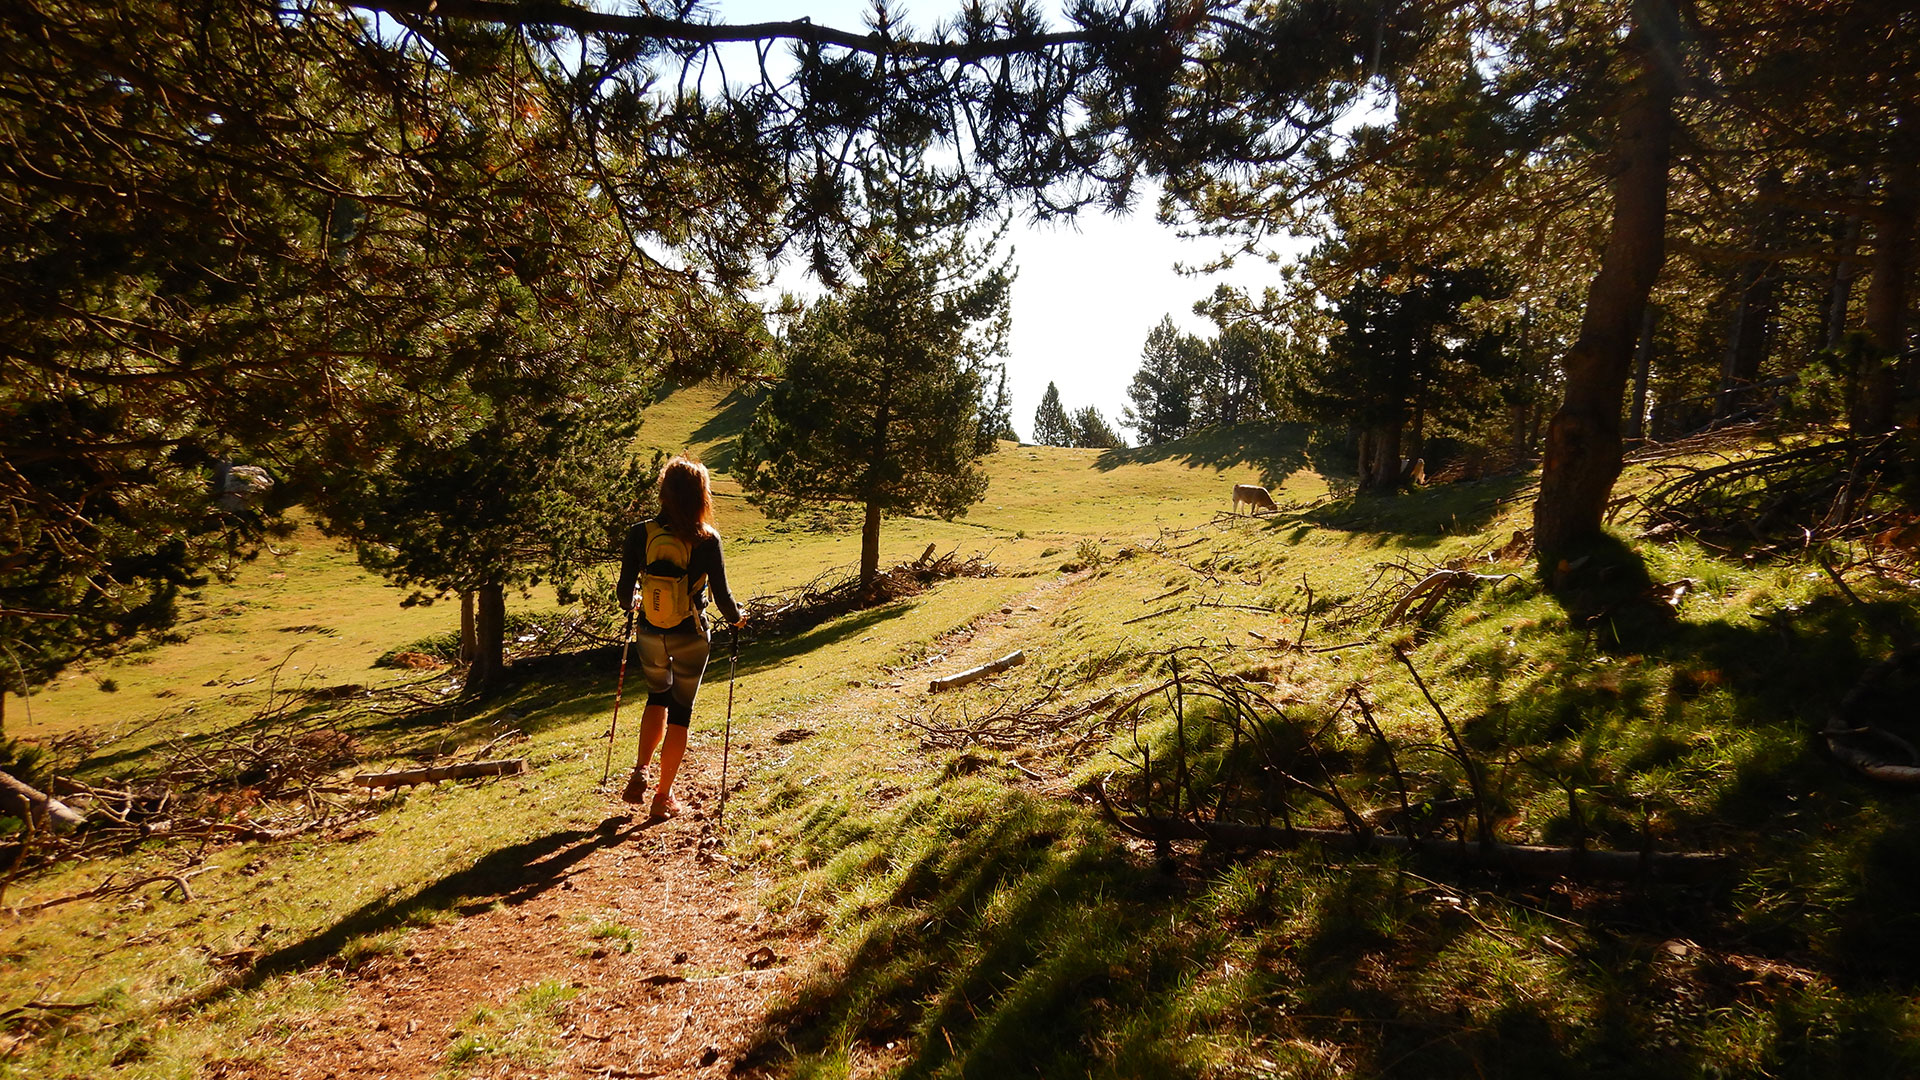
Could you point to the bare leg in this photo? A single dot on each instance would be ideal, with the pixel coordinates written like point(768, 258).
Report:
point(671, 751)
point(652, 719)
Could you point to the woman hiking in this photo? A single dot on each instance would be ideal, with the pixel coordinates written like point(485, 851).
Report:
point(675, 558)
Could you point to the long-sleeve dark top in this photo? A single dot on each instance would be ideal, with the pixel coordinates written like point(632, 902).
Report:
point(704, 559)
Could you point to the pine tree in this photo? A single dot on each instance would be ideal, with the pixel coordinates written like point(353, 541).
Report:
point(302, 270)
point(1405, 347)
point(1091, 430)
point(880, 399)
point(1051, 425)
point(996, 412)
point(1162, 391)
point(522, 498)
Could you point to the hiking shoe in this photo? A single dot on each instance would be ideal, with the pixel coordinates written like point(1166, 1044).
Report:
point(665, 806)
point(636, 787)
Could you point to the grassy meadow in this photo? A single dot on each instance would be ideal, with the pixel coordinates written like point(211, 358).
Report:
point(983, 917)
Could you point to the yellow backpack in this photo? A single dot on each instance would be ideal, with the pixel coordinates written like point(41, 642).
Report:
point(666, 591)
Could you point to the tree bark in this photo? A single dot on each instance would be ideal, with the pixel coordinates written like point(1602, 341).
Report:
point(469, 639)
point(1845, 270)
point(1380, 464)
point(1520, 417)
point(1886, 312)
point(434, 774)
point(1583, 448)
point(870, 548)
point(490, 634)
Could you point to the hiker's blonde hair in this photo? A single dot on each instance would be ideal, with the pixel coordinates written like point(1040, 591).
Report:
point(686, 499)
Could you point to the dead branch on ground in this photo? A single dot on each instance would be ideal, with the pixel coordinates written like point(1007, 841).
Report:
point(1030, 722)
point(1523, 860)
point(1787, 501)
point(1268, 760)
point(1435, 588)
point(837, 592)
point(434, 774)
point(38, 809)
point(975, 674)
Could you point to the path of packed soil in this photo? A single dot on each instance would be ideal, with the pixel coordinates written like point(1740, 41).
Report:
point(688, 1000)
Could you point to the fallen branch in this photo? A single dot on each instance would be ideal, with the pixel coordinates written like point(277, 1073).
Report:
point(37, 806)
point(837, 592)
point(1012, 659)
point(1527, 860)
point(176, 880)
point(1871, 753)
point(435, 774)
point(1218, 603)
point(47, 1006)
point(1435, 587)
point(1175, 591)
point(1154, 614)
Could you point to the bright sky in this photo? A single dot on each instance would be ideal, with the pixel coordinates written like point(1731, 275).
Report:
point(1088, 292)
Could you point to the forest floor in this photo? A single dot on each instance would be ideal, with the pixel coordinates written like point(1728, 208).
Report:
point(688, 963)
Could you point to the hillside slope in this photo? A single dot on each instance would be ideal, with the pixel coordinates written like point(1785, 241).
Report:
point(936, 882)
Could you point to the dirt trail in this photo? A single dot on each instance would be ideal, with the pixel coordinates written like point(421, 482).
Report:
point(686, 1000)
point(705, 962)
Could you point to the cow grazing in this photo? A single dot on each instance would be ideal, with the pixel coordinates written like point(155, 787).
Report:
point(1254, 496)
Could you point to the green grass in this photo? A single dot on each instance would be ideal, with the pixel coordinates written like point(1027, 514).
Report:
point(984, 929)
point(523, 1032)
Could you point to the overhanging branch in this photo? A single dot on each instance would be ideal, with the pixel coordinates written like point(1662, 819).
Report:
point(524, 13)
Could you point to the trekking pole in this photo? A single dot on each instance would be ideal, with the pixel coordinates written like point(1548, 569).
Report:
point(726, 746)
point(626, 646)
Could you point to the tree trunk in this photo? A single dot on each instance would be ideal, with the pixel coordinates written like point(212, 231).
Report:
point(1748, 332)
point(1746, 338)
point(1583, 440)
point(490, 635)
point(1642, 372)
point(1840, 289)
point(1380, 468)
point(870, 548)
point(1887, 302)
point(469, 642)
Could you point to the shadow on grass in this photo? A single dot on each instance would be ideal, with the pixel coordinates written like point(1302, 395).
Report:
point(1830, 860)
point(1275, 451)
point(1419, 518)
point(767, 653)
point(756, 653)
point(996, 952)
point(994, 933)
point(723, 428)
point(510, 875)
point(1001, 934)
